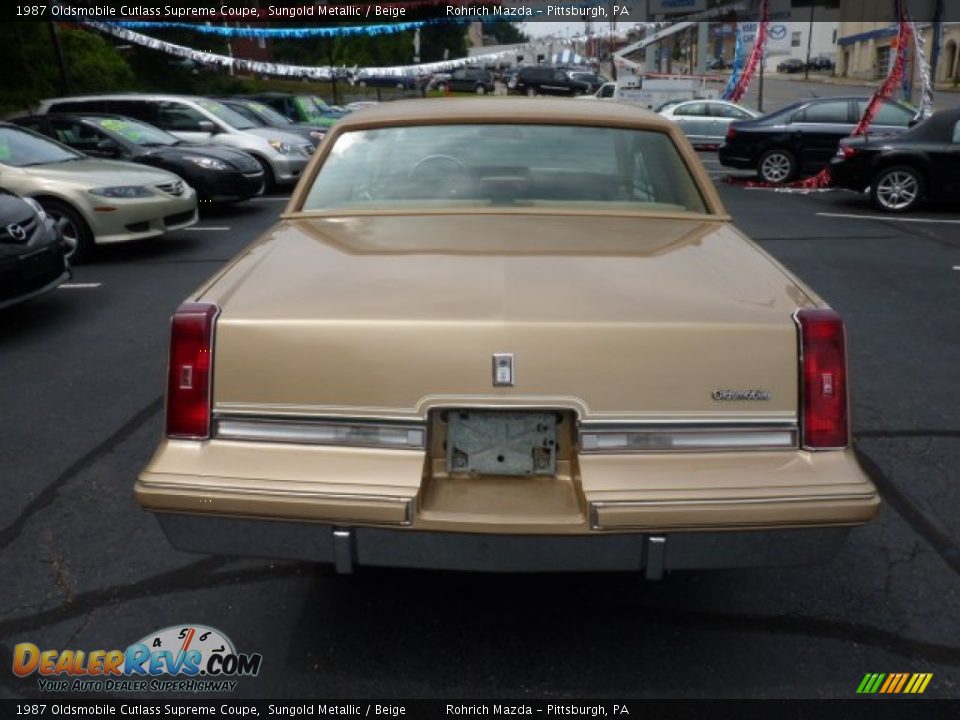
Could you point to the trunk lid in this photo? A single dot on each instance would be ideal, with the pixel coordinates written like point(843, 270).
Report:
point(618, 318)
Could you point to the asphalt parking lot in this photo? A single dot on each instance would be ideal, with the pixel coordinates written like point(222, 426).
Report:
point(84, 567)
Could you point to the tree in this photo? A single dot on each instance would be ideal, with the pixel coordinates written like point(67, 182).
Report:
point(506, 33)
point(30, 66)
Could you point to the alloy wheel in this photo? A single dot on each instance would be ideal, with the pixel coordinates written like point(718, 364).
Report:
point(897, 190)
point(776, 167)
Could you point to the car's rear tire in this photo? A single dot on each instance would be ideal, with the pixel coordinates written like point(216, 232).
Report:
point(269, 180)
point(77, 235)
point(777, 166)
point(897, 189)
point(531, 92)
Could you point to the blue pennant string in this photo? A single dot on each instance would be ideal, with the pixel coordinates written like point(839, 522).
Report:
point(284, 32)
point(737, 67)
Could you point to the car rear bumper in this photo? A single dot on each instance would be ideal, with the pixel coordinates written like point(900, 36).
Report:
point(735, 158)
point(842, 175)
point(600, 496)
point(651, 554)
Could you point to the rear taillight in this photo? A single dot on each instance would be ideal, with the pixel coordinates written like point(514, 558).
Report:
point(824, 379)
point(188, 382)
point(731, 132)
point(846, 152)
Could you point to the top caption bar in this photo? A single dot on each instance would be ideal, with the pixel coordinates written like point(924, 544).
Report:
point(622, 12)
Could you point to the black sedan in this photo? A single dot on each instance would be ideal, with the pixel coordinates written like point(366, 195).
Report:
point(803, 137)
point(32, 259)
point(265, 116)
point(793, 65)
point(217, 173)
point(901, 172)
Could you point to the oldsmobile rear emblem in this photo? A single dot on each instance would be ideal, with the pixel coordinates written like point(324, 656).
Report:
point(503, 370)
point(16, 232)
point(724, 395)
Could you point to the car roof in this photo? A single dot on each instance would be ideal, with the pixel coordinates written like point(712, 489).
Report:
point(504, 110)
point(127, 96)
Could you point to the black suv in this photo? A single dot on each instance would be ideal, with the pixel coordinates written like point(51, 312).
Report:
point(802, 138)
point(475, 80)
point(543, 80)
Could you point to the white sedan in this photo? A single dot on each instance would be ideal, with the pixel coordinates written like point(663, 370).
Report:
point(705, 122)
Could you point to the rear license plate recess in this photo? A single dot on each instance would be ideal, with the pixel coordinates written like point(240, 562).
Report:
point(501, 443)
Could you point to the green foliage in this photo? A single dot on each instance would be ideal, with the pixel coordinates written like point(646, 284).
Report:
point(31, 71)
point(93, 64)
point(506, 33)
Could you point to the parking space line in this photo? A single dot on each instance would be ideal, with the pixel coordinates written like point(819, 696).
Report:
point(78, 286)
point(201, 228)
point(890, 217)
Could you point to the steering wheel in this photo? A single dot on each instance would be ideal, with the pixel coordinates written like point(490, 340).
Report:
point(440, 176)
point(433, 159)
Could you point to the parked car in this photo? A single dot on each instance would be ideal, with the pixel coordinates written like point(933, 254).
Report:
point(302, 109)
point(802, 138)
point(901, 172)
point(717, 64)
point(616, 378)
point(546, 80)
point(398, 82)
point(468, 79)
point(705, 122)
point(281, 155)
point(93, 201)
point(593, 79)
point(265, 116)
point(32, 253)
point(217, 173)
point(791, 65)
point(821, 63)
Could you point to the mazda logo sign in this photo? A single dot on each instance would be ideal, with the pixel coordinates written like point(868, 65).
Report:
point(17, 232)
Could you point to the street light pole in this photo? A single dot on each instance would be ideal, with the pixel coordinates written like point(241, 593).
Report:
point(806, 67)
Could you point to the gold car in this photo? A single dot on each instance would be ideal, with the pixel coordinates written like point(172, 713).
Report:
point(93, 201)
point(507, 335)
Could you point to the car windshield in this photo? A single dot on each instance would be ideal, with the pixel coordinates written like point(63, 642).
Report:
point(313, 108)
point(222, 112)
point(500, 165)
point(268, 114)
point(135, 132)
point(21, 148)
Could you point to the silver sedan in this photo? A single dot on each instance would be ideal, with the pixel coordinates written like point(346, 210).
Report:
point(705, 122)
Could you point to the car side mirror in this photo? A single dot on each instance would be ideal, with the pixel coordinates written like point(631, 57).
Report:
point(206, 126)
point(914, 122)
point(108, 148)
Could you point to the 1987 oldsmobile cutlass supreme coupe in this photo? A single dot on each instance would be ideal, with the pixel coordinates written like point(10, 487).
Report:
point(505, 335)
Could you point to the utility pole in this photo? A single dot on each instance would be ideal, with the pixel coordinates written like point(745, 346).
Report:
point(937, 41)
point(806, 67)
point(61, 63)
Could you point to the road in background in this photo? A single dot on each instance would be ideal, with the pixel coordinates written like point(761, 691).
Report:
point(780, 90)
point(83, 370)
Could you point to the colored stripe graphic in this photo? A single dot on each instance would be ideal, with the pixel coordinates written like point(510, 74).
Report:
point(894, 683)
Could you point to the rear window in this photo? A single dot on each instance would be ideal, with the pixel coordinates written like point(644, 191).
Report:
point(890, 113)
point(491, 165)
point(829, 112)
